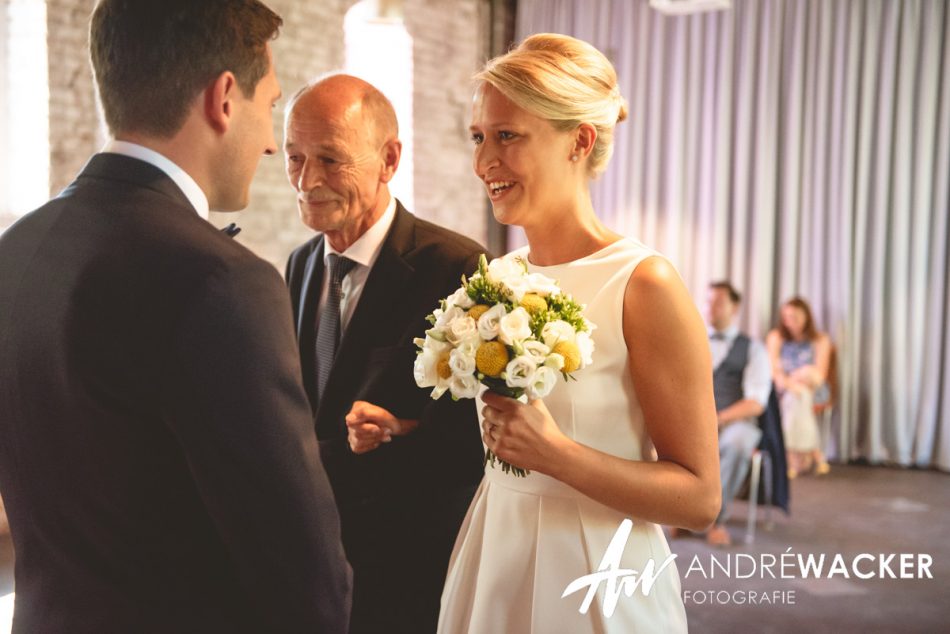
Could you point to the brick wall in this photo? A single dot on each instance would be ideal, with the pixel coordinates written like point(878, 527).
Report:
point(448, 46)
point(74, 130)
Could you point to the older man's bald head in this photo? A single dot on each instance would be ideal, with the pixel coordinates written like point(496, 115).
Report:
point(342, 95)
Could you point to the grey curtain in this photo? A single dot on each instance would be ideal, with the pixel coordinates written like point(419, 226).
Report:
point(797, 147)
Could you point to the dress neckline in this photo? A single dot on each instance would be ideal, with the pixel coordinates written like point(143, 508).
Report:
point(591, 256)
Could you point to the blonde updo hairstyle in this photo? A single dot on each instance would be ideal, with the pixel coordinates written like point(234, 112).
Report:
point(566, 81)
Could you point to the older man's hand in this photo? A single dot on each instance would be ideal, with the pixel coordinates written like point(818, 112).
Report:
point(369, 426)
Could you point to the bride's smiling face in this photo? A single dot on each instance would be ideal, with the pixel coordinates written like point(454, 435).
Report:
point(522, 160)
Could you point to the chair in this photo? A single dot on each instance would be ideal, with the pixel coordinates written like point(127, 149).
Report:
point(768, 469)
point(824, 411)
point(756, 474)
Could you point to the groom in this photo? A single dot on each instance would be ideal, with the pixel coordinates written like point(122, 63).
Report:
point(403, 467)
point(157, 458)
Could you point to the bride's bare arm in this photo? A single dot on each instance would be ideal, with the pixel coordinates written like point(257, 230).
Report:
point(672, 376)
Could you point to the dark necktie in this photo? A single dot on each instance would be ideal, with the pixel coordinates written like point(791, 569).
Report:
point(329, 330)
point(717, 336)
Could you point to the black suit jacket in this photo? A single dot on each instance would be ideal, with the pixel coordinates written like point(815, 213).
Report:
point(418, 485)
point(157, 459)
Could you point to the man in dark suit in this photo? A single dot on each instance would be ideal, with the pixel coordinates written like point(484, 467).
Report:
point(403, 467)
point(157, 461)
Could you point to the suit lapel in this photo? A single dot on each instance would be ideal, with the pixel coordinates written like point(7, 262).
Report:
point(307, 316)
point(387, 280)
point(310, 289)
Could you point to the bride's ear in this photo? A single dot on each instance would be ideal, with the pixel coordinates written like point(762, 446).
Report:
point(585, 135)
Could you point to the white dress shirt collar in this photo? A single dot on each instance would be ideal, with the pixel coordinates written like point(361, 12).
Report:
point(368, 246)
point(180, 177)
point(728, 334)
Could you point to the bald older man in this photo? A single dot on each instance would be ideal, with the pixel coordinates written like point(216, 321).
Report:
point(403, 467)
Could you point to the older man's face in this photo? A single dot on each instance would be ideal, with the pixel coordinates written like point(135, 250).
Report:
point(336, 166)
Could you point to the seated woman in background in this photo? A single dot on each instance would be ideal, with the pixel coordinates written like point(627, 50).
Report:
point(800, 355)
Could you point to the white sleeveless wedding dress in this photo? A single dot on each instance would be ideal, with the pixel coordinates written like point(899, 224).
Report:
point(524, 540)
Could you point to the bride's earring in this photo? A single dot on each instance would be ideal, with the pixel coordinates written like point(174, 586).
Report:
point(574, 157)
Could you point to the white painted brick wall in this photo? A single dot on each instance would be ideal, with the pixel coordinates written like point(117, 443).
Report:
point(448, 38)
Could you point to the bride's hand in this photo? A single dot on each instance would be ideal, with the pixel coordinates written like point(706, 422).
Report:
point(523, 435)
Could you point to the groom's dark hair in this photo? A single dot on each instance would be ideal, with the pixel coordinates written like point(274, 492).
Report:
point(152, 58)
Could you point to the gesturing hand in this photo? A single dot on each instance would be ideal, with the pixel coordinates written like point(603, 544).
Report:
point(522, 435)
point(369, 426)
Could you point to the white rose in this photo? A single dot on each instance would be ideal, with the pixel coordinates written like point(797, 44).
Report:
point(555, 361)
point(460, 298)
point(489, 322)
point(518, 287)
point(461, 364)
point(446, 317)
point(585, 344)
point(536, 350)
point(514, 326)
point(519, 371)
point(542, 382)
point(469, 347)
point(542, 285)
point(556, 331)
point(464, 386)
point(500, 269)
point(462, 329)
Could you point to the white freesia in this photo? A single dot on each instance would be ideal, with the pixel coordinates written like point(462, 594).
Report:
point(501, 269)
point(536, 350)
point(585, 344)
point(542, 382)
point(515, 326)
point(461, 329)
point(519, 371)
point(425, 371)
point(460, 298)
point(542, 285)
point(464, 386)
point(489, 322)
point(555, 332)
point(461, 364)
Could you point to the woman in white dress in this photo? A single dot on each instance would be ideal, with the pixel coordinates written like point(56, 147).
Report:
point(635, 436)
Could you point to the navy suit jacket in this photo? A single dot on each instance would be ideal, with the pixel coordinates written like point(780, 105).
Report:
point(157, 460)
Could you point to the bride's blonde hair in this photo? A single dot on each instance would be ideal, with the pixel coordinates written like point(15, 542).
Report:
point(566, 81)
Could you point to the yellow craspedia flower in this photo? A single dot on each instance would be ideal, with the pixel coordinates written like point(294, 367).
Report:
point(442, 367)
point(491, 358)
point(477, 311)
point(571, 354)
point(533, 303)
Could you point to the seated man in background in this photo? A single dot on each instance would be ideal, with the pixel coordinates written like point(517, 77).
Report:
point(741, 382)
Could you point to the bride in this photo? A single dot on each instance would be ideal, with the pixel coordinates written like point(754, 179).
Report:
point(635, 437)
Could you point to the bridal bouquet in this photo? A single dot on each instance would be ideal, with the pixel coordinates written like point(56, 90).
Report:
point(508, 330)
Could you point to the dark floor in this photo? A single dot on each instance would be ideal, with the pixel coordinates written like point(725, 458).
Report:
point(851, 511)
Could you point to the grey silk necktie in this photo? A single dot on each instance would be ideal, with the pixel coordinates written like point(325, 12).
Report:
point(328, 332)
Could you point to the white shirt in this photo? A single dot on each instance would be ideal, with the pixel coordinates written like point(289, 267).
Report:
point(757, 375)
point(364, 252)
point(180, 177)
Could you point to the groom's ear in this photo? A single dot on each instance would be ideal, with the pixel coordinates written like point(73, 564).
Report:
point(218, 101)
